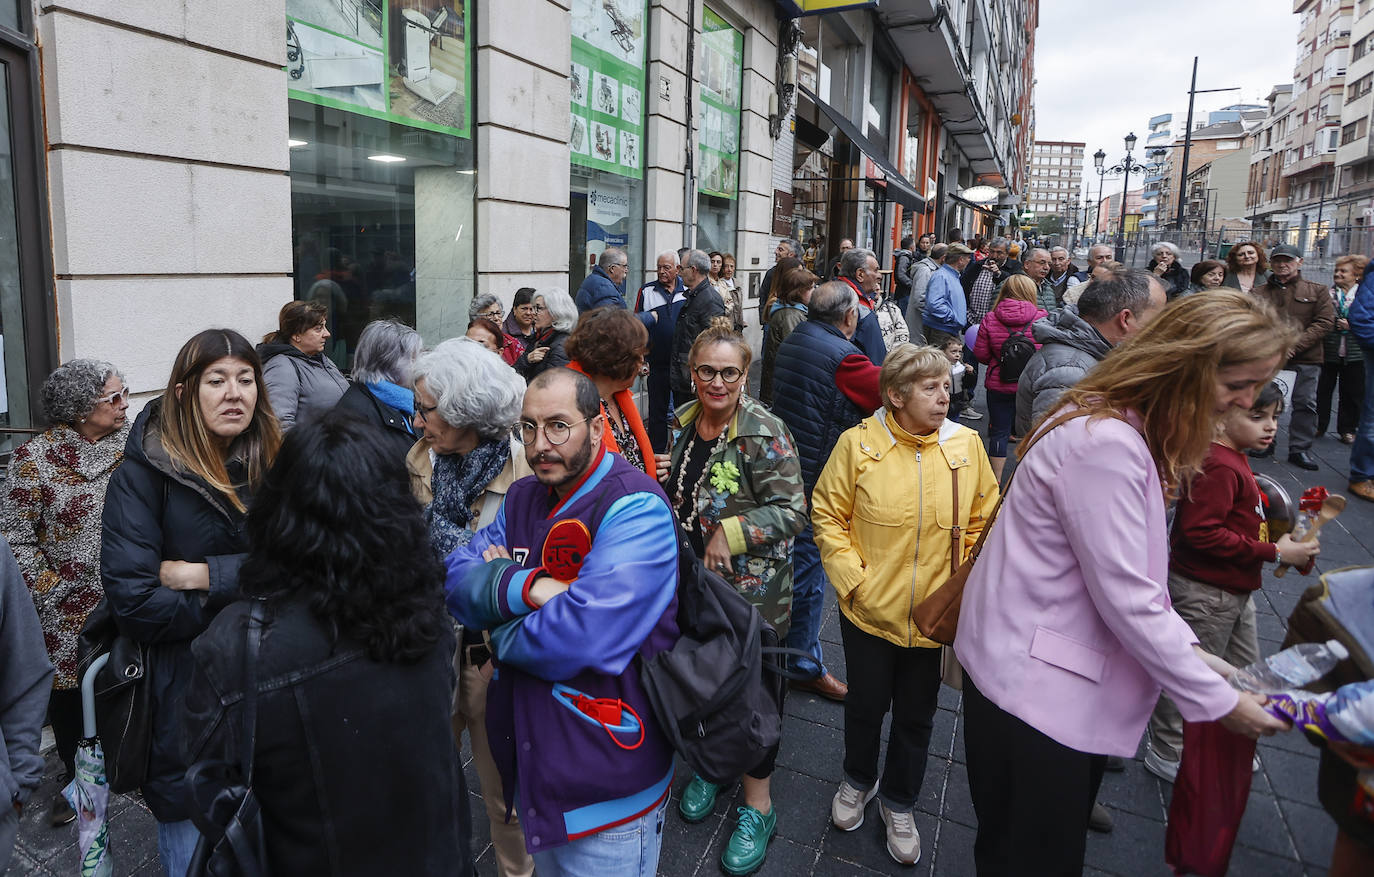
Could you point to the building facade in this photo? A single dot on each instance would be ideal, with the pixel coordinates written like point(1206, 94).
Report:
point(1354, 209)
point(393, 158)
point(1055, 178)
point(1313, 138)
point(1266, 195)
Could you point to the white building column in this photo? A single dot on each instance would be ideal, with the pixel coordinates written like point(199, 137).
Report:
point(171, 205)
point(524, 49)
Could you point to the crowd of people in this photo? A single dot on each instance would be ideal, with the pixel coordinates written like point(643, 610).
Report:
point(481, 539)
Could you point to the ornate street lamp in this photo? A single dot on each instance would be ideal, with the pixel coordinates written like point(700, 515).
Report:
point(1098, 158)
point(1127, 166)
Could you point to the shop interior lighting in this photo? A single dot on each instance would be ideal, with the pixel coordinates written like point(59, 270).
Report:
point(293, 144)
point(385, 158)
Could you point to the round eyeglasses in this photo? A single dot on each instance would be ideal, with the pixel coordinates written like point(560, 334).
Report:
point(556, 431)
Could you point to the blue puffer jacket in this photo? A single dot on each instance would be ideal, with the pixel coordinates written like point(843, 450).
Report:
point(806, 396)
point(599, 291)
point(1362, 311)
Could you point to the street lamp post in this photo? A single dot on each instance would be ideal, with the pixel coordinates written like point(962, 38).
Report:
point(1098, 158)
point(1127, 166)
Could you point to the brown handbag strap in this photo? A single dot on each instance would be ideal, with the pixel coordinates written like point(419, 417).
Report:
point(1025, 449)
point(955, 535)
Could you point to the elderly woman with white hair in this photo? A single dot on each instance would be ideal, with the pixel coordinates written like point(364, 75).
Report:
point(379, 390)
point(488, 307)
point(555, 315)
point(1164, 262)
point(466, 401)
point(50, 513)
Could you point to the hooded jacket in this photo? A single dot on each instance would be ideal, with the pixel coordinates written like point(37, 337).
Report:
point(885, 522)
point(1009, 315)
point(1069, 348)
point(299, 387)
point(155, 511)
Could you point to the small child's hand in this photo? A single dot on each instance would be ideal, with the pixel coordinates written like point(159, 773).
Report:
point(1297, 553)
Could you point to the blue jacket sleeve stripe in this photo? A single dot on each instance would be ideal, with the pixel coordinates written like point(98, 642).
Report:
point(469, 586)
point(625, 585)
point(511, 594)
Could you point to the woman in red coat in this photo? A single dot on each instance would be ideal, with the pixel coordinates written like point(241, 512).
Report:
point(1014, 312)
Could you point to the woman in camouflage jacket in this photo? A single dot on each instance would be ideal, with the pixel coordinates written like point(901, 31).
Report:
point(734, 482)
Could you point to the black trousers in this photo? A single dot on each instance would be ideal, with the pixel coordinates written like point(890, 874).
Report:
point(1350, 376)
point(660, 408)
point(1032, 795)
point(64, 714)
point(883, 675)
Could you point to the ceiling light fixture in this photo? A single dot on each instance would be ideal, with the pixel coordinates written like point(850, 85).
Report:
point(386, 159)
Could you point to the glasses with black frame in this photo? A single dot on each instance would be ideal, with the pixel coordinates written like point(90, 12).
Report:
point(706, 374)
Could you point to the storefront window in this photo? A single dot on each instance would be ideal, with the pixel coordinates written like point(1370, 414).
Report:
point(718, 121)
point(607, 133)
point(382, 163)
point(9, 15)
point(14, 408)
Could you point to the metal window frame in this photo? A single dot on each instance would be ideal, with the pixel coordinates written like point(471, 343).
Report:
point(20, 56)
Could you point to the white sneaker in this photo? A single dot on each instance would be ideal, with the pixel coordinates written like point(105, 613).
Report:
point(847, 808)
point(903, 840)
point(970, 414)
point(1160, 767)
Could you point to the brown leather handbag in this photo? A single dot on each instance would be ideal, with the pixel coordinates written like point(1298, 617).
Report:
point(937, 616)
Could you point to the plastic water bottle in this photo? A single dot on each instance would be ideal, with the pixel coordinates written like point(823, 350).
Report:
point(1291, 668)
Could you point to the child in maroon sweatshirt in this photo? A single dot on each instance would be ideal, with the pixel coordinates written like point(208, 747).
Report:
point(1216, 558)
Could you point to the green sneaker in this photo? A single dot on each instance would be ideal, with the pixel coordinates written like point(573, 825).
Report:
point(698, 799)
point(748, 846)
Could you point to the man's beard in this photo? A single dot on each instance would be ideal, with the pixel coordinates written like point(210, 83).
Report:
point(574, 467)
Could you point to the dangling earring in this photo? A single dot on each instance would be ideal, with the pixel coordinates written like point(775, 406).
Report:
point(83, 420)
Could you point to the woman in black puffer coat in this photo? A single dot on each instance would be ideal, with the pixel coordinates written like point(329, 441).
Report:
point(1170, 271)
point(172, 540)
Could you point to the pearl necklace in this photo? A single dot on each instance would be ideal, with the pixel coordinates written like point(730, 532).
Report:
point(693, 513)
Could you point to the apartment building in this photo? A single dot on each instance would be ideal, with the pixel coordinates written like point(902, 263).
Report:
point(1314, 132)
point(1055, 177)
point(1266, 191)
point(1355, 154)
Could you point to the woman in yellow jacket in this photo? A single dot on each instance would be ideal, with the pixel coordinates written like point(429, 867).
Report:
point(900, 502)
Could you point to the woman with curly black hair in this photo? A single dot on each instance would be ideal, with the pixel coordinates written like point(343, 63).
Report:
point(354, 678)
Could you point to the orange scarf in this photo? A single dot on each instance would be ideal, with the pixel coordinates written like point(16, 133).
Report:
point(625, 399)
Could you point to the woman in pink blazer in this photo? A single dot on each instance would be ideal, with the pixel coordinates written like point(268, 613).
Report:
point(1066, 633)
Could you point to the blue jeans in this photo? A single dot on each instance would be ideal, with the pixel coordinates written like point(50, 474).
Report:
point(808, 603)
point(1001, 412)
point(629, 850)
point(176, 843)
point(1362, 452)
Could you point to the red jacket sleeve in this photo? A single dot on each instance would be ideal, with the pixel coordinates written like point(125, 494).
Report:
point(1202, 519)
point(857, 378)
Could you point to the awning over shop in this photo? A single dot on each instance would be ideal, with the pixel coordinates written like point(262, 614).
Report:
point(898, 187)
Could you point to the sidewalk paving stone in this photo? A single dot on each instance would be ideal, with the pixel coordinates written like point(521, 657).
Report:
point(1284, 832)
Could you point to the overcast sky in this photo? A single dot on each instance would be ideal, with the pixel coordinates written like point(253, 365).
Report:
point(1104, 69)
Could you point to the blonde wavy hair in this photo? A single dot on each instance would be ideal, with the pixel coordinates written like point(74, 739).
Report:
point(1166, 374)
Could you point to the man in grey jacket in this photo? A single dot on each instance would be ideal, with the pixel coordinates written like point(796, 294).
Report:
point(25, 682)
point(921, 273)
point(1076, 338)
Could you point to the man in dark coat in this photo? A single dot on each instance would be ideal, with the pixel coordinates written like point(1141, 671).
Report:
point(824, 384)
point(703, 304)
point(659, 303)
point(605, 286)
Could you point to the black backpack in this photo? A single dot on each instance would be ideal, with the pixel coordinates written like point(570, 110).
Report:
point(716, 692)
point(1017, 351)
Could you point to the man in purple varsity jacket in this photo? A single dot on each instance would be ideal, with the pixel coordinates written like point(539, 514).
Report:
point(576, 578)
